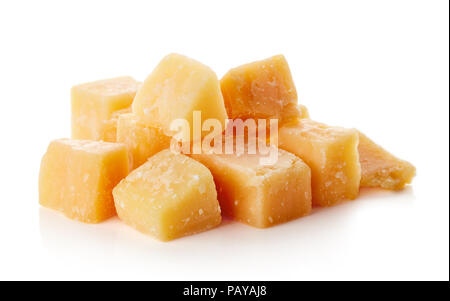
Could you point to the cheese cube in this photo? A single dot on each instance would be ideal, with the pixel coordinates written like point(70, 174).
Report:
point(169, 196)
point(110, 131)
point(260, 196)
point(142, 141)
point(77, 178)
point(379, 168)
point(262, 89)
point(94, 104)
point(332, 155)
point(176, 88)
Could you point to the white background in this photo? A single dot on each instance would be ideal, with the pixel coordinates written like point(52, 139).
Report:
point(380, 66)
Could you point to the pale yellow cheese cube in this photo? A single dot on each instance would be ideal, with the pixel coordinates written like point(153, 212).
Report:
point(331, 153)
point(176, 88)
point(261, 89)
point(142, 141)
point(260, 196)
point(77, 178)
point(169, 196)
point(94, 105)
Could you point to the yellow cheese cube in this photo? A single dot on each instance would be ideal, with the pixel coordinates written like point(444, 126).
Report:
point(260, 196)
point(142, 141)
point(379, 168)
point(93, 106)
point(332, 155)
point(177, 87)
point(110, 129)
point(77, 178)
point(262, 89)
point(169, 196)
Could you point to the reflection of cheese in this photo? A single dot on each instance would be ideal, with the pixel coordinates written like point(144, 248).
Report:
point(260, 196)
point(332, 155)
point(77, 178)
point(94, 105)
point(169, 196)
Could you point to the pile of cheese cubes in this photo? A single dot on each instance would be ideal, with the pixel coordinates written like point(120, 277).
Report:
point(119, 160)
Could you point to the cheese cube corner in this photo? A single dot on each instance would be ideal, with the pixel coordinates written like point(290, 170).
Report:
point(169, 196)
point(77, 177)
point(379, 168)
point(304, 112)
point(94, 107)
point(331, 153)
